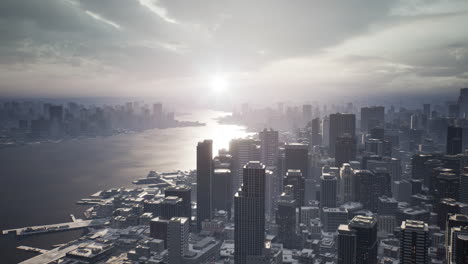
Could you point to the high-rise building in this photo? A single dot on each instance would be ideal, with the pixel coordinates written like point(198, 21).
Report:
point(372, 117)
point(222, 186)
point(341, 124)
point(249, 214)
point(463, 102)
point(159, 229)
point(357, 241)
point(414, 242)
point(328, 186)
point(204, 181)
point(242, 151)
point(295, 179)
point(185, 193)
point(333, 217)
point(345, 150)
point(286, 218)
point(306, 113)
point(367, 189)
point(463, 188)
point(427, 110)
point(453, 221)
point(316, 136)
point(346, 186)
point(297, 158)
point(461, 244)
point(269, 147)
point(326, 131)
point(454, 140)
point(346, 245)
point(177, 239)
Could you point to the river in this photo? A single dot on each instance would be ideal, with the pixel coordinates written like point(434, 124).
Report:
point(40, 183)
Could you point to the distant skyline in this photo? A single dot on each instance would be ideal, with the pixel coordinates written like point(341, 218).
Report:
point(200, 50)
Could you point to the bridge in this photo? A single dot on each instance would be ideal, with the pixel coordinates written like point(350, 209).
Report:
point(76, 224)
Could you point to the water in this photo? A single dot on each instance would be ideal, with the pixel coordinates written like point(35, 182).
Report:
point(39, 184)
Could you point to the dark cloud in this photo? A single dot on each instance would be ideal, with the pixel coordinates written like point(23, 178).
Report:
point(178, 43)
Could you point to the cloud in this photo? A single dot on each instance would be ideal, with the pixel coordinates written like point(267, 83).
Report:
point(100, 18)
point(297, 49)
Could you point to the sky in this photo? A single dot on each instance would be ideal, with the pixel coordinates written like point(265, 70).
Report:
point(257, 50)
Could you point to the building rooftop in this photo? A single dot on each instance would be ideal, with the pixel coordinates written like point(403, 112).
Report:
point(363, 221)
point(414, 225)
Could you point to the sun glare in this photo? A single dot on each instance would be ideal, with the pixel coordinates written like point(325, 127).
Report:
point(219, 84)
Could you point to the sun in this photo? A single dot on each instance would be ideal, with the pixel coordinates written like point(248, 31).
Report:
point(219, 84)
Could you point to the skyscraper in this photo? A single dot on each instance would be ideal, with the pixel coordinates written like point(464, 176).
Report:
point(346, 245)
point(204, 181)
point(185, 193)
point(454, 140)
point(367, 189)
point(463, 102)
point(372, 117)
point(328, 185)
point(286, 218)
point(269, 147)
point(295, 179)
point(249, 214)
point(297, 158)
point(414, 242)
point(346, 189)
point(341, 124)
point(177, 239)
point(242, 151)
point(357, 241)
point(306, 113)
point(316, 136)
point(345, 150)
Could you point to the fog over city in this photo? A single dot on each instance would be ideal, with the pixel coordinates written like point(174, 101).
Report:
point(267, 49)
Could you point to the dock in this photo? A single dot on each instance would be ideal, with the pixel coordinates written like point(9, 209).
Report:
point(75, 225)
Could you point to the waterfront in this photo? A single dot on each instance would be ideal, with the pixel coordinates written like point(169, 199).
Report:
point(42, 182)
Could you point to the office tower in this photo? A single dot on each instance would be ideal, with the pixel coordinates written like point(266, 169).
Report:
point(446, 207)
point(446, 185)
point(346, 245)
point(372, 117)
point(177, 239)
point(392, 166)
point(222, 186)
point(249, 213)
point(346, 189)
point(377, 133)
point(345, 150)
point(271, 192)
point(158, 229)
point(56, 113)
point(269, 147)
point(204, 181)
point(357, 241)
point(295, 178)
point(333, 217)
point(242, 151)
point(383, 181)
point(463, 188)
point(427, 110)
point(316, 136)
point(367, 189)
point(463, 102)
point(341, 124)
point(171, 206)
point(286, 218)
point(378, 147)
point(461, 254)
point(326, 131)
point(328, 185)
point(453, 221)
point(185, 193)
point(297, 158)
point(306, 113)
point(454, 140)
point(414, 242)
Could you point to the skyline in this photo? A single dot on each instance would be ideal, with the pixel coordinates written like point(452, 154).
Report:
point(167, 49)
